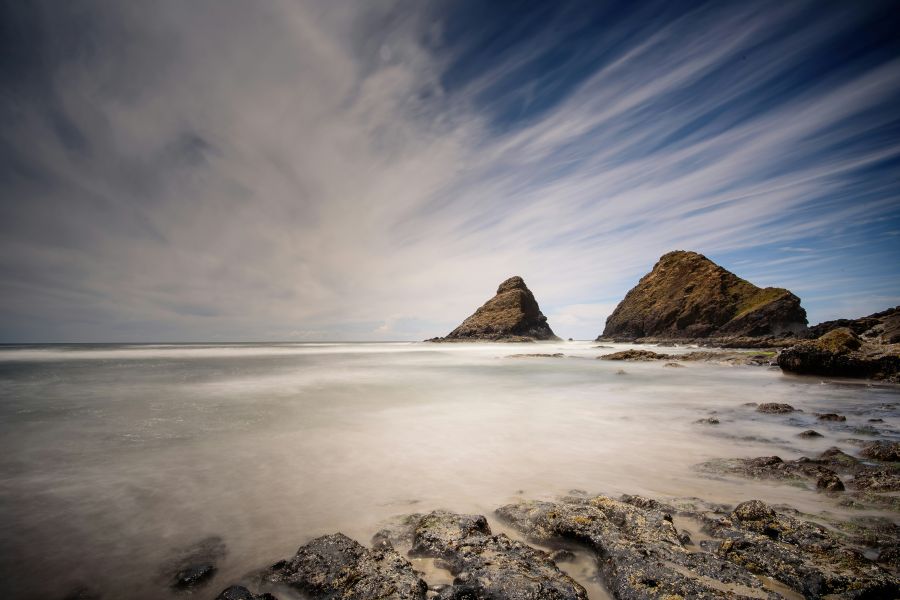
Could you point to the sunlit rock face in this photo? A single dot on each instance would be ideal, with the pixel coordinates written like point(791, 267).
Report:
point(686, 295)
point(511, 315)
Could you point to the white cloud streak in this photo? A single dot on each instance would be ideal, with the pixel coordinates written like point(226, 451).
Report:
point(248, 169)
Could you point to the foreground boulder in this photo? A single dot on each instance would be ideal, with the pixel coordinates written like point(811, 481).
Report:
point(842, 353)
point(512, 315)
point(639, 552)
point(489, 566)
point(687, 296)
point(334, 566)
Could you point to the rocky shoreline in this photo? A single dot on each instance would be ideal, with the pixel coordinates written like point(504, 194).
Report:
point(639, 547)
point(642, 548)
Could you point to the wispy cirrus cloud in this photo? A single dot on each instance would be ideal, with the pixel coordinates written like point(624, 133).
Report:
point(211, 171)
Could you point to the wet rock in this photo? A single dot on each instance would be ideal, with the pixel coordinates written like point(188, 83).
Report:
point(686, 295)
point(809, 433)
point(775, 408)
point(799, 554)
point(490, 566)
point(334, 566)
point(239, 592)
point(884, 451)
point(512, 315)
point(638, 549)
point(841, 353)
point(773, 467)
point(831, 417)
point(635, 355)
point(707, 421)
point(194, 575)
point(194, 566)
point(673, 365)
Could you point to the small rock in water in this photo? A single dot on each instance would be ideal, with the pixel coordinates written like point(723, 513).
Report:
point(810, 433)
point(876, 420)
point(776, 408)
point(239, 592)
point(708, 421)
point(831, 417)
point(621, 372)
point(673, 365)
point(194, 565)
point(194, 575)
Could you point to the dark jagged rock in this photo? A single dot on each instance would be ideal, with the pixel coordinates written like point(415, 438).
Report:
point(334, 566)
point(239, 592)
point(686, 295)
point(870, 484)
point(775, 408)
point(800, 554)
point(488, 566)
point(809, 433)
point(512, 315)
point(832, 417)
point(842, 353)
point(883, 327)
point(194, 565)
point(639, 553)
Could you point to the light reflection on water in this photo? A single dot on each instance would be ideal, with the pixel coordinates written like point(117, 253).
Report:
point(113, 455)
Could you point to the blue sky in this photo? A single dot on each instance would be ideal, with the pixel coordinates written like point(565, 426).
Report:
point(363, 171)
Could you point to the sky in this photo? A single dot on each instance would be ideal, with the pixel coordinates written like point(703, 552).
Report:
point(331, 170)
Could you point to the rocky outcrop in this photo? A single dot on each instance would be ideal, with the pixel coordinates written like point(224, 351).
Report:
point(490, 566)
point(842, 353)
point(334, 566)
point(686, 296)
point(641, 554)
point(512, 315)
point(882, 327)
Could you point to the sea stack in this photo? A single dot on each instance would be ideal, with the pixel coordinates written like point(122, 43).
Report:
point(687, 296)
point(512, 315)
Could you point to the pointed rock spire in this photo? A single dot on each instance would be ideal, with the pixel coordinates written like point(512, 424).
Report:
point(511, 315)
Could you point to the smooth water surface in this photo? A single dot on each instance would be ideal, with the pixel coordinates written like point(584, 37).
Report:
point(113, 456)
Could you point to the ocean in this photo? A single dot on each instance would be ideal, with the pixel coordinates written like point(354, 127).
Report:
point(112, 457)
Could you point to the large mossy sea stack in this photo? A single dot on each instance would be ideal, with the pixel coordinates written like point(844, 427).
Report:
point(686, 295)
point(511, 315)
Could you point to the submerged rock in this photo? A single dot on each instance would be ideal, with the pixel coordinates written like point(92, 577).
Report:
point(195, 565)
point(334, 566)
point(239, 592)
point(831, 417)
point(512, 315)
point(686, 295)
point(635, 355)
point(775, 408)
point(809, 433)
point(841, 353)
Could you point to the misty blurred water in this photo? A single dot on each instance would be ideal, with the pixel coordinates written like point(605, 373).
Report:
point(113, 456)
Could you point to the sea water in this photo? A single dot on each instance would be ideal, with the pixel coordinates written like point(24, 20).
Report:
point(112, 457)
